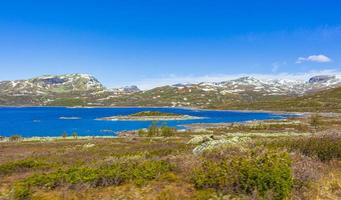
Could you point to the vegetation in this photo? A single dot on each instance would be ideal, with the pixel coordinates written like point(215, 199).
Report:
point(67, 102)
point(266, 173)
point(21, 165)
point(326, 147)
point(154, 130)
point(324, 101)
point(75, 135)
point(115, 174)
point(163, 166)
point(153, 113)
point(14, 138)
point(315, 121)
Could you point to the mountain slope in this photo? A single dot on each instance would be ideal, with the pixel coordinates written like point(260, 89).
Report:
point(58, 90)
point(51, 84)
point(322, 101)
point(241, 91)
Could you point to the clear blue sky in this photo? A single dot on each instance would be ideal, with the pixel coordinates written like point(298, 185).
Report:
point(125, 41)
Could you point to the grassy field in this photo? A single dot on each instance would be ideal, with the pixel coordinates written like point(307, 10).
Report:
point(263, 160)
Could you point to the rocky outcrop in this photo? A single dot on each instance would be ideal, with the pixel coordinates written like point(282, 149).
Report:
point(213, 144)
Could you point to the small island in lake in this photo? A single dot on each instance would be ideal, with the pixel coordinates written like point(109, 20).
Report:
point(150, 116)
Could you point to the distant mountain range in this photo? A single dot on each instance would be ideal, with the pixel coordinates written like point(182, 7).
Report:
point(86, 90)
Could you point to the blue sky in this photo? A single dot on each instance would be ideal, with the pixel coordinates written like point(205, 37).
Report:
point(167, 41)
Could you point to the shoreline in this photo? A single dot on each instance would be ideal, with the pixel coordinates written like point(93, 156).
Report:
point(56, 138)
point(186, 108)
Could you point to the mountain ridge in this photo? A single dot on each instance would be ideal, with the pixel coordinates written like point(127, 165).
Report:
point(86, 90)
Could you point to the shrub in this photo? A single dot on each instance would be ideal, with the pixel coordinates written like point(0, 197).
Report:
point(64, 135)
point(115, 174)
point(153, 130)
point(325, 147)
point(21, 191)
point(265, 173)
point(75, 135)
point(315, 121)
point(167, 131)
point(15, 166)
point(15, 138)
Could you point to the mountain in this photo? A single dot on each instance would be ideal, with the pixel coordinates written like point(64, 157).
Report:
point(51, 84)
point(231, 92)
point(86, 90)
point(58, 90)
point(126, 90)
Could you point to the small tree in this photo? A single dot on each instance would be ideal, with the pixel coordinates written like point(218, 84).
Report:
point(74, 135)
point(167, 131)
point(141, 132)
point(153, 130)
point(64, 135)
point(315, 121)
point(15, 138)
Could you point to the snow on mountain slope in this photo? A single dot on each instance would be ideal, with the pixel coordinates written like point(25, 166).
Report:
point(268, 87)
point(52, 84)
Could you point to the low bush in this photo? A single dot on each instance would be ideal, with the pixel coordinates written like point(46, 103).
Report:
point(115, 174)
point(15, 138)
point(325, 147)
point(15, 166)
point(155, 131)
point(266, 173)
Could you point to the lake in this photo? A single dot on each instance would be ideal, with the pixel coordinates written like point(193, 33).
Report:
point(54, 121)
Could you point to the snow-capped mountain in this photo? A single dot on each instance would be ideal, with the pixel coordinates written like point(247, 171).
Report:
point(52, 84)
point(126, 90)
point(245, 85)
point(86, 90)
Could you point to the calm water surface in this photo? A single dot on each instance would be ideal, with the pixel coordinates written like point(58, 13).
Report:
point(53, 121)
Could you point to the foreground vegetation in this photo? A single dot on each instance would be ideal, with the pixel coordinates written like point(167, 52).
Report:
point(161, 163)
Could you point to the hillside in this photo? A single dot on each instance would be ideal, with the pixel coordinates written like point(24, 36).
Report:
point(58, 90)
point(324, 101)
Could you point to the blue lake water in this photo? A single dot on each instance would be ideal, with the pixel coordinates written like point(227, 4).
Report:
point(48, 121)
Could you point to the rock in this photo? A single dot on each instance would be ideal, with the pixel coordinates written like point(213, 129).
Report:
point(89, 145)
point(212, 144)
point(200, 139)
